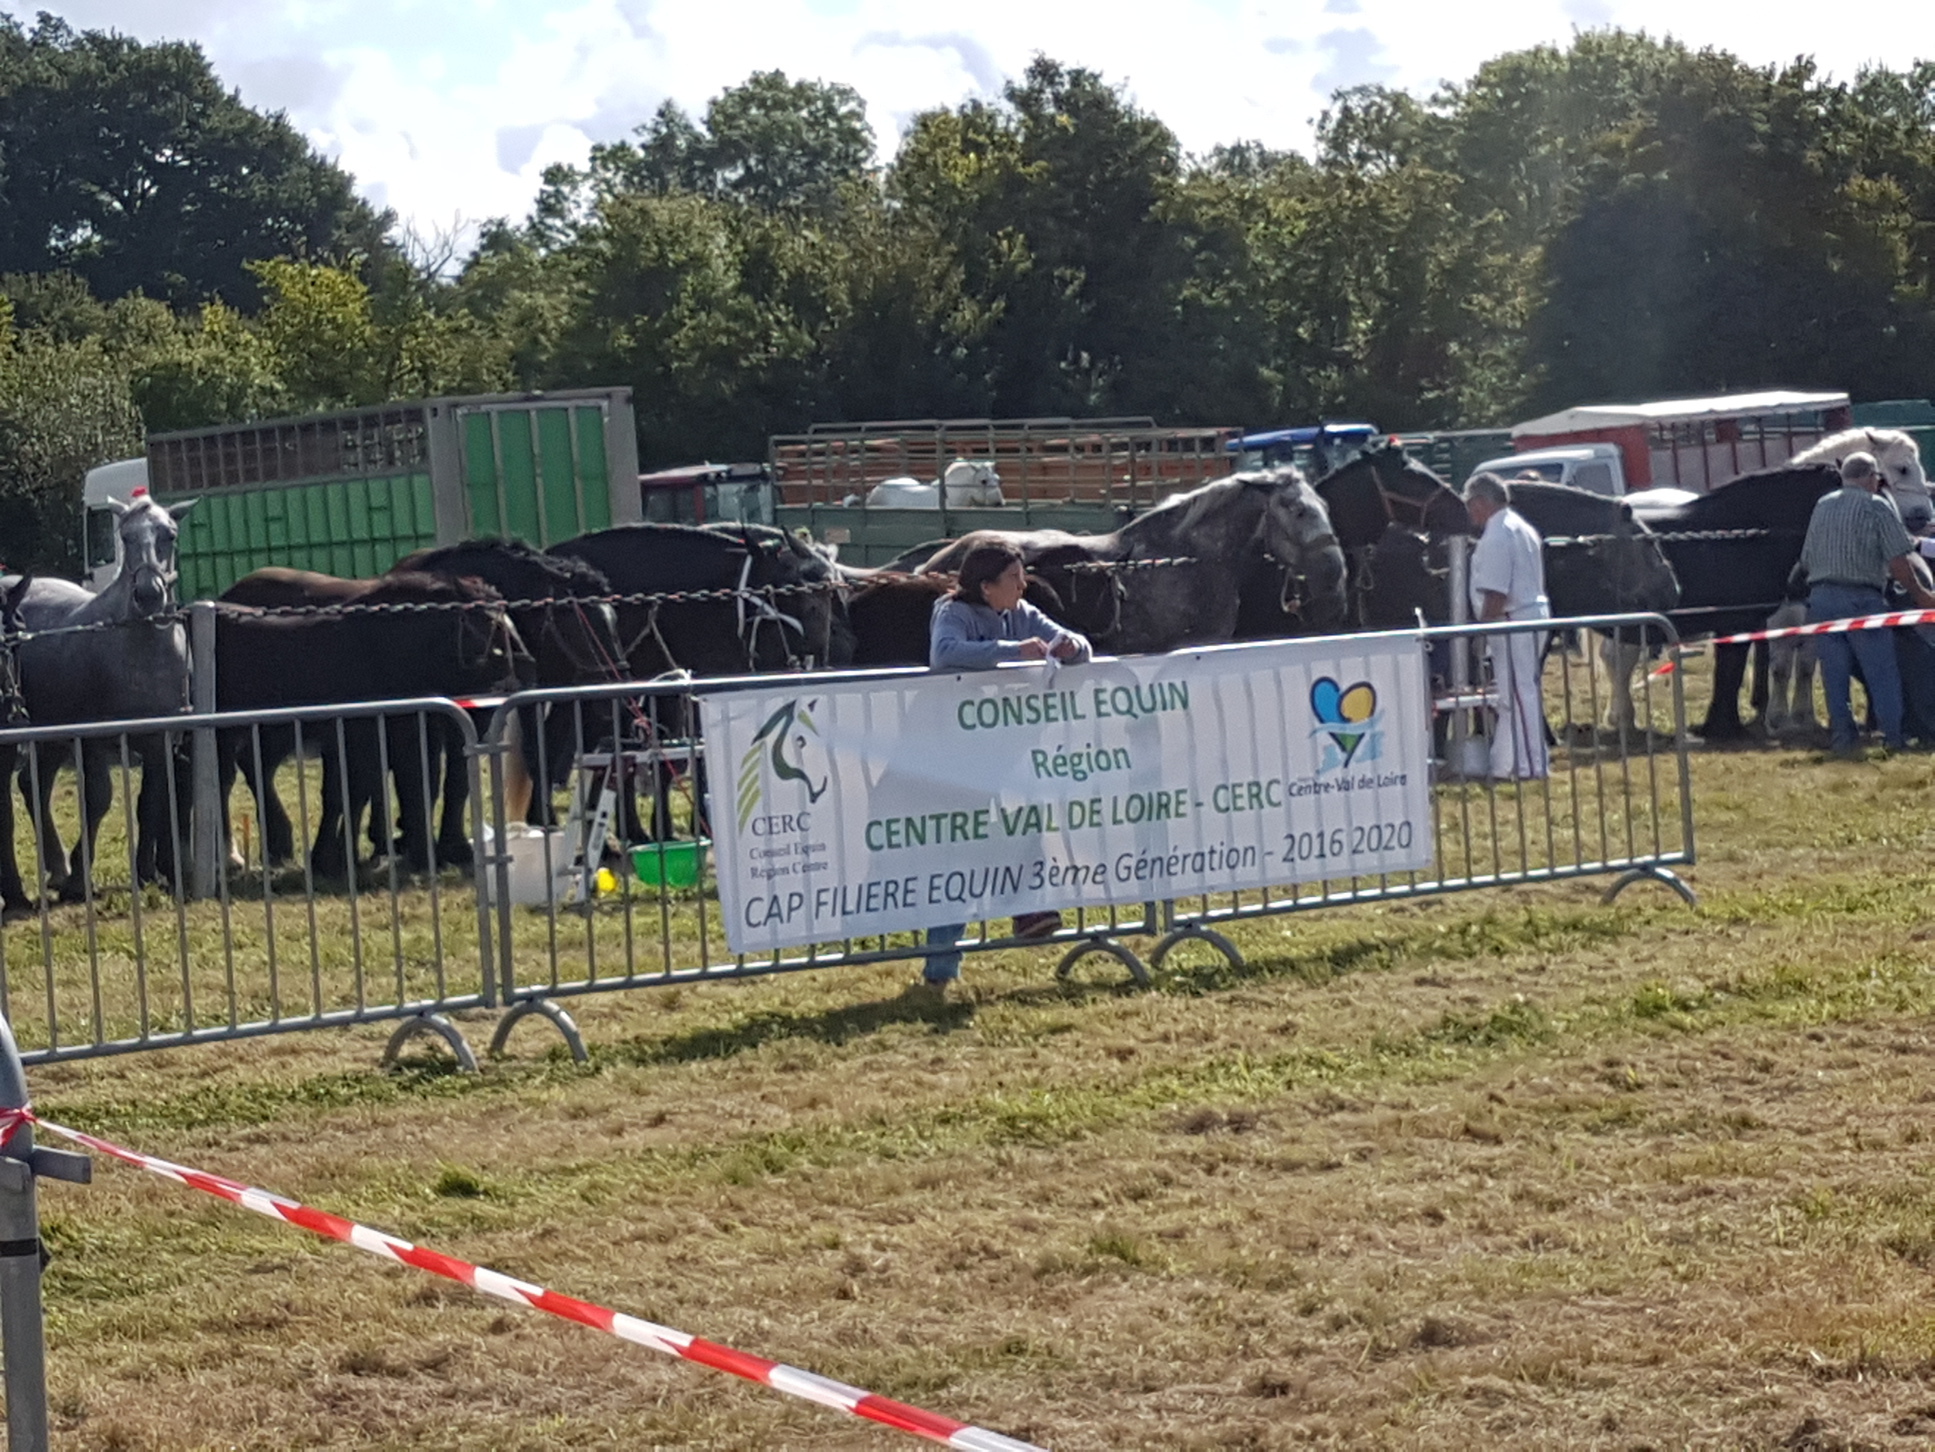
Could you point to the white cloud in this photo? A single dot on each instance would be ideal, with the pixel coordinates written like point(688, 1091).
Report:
point(442, 110)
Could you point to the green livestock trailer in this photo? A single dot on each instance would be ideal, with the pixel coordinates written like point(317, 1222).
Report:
point(351, 493)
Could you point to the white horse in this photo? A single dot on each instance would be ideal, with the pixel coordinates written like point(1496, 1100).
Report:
point(1900, 459)
point(1790, 674)
point(965, 483)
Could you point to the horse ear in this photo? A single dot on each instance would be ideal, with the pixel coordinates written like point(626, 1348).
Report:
point(117, 506)
point(179, 512)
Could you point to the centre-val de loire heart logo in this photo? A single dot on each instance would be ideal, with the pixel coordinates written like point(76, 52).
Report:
point(1344, 713)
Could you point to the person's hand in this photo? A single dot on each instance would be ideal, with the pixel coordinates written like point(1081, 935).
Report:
point(1034, 648)
point(1066, 649)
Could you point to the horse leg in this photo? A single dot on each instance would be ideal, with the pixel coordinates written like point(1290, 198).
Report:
point(13, 894)
point(412, 743)
point(1779, 714)
point(274, 745)
point(1806, 657)
point(335, 831)
point(453, 827)
point(1622, 657)
point(521, 770)
point(1723, 713)
point(1757, 693)
point(97, 795)
point(163, 818)
point(559, 738)
point(38, 776)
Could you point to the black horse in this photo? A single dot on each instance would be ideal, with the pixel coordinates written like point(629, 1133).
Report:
point(723, 600)
point(1729, 585)
point(462, 643)
point(1599, 559)
point(1392, 516)
point(755, 598)
point(559, 607)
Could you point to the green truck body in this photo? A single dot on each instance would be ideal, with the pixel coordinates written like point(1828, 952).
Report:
point(351, 493)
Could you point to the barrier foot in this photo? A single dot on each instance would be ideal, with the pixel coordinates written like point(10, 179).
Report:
point(1651, 874)
point(437, 1026)
point(1192, 932)
point(1137, 969)
point(544, 1008)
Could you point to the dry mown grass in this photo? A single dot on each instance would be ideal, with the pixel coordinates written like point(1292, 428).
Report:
point(1511, 1169)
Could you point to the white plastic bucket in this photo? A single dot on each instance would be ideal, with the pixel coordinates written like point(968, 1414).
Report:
point(529, 885)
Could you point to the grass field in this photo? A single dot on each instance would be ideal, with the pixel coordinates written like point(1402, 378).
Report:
point(1510, 1169)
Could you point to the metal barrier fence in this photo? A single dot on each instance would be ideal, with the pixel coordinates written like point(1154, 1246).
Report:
point(568, 925)
point(1607, 799)
point(108, 950)
point(179, 932)
point(1609, 793)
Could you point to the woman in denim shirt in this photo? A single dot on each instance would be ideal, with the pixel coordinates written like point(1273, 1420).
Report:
point(983, 624)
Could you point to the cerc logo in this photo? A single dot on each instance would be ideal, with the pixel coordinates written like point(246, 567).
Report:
point(783, 757)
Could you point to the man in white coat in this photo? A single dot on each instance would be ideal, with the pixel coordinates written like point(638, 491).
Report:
point(1508, 583)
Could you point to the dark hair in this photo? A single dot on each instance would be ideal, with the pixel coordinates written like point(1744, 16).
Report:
point(984, 564)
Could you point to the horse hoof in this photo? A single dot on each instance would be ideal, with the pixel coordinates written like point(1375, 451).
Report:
point(14, 909)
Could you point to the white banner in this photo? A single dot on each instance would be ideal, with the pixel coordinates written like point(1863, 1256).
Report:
point(849, 810)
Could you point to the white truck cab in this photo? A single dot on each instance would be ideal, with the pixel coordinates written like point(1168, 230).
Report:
point(1594, 467)
point(100, 540)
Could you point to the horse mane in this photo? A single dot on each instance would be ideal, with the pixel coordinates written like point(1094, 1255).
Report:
point(1836, 447)
point(1183, 512)
point(414, 587)
point(1604, 512)
point(1749, 501)
point(571, 577)
point(768, 537)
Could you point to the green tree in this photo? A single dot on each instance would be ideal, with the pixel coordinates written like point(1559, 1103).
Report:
point(1729, 240)
point(208, 368)
point(770, 142)
point(1056, 203)
point(130, 165)
point(64, 408)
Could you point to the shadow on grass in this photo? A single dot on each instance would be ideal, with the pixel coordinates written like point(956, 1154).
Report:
point(838, 1026)
point(1489, 935)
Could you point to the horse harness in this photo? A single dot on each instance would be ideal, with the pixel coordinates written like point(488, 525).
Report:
point(499, 634)
point(754, 608)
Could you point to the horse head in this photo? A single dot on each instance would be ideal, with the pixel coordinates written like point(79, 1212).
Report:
point(148, 533)
point(1387, 486)
point(793, 610)
point(1900, 459)
point(1296, 532)
point(488, 642)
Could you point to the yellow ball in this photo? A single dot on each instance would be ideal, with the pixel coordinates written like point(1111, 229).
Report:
point(607, 882)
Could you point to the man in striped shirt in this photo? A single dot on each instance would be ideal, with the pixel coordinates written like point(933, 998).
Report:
point(1855, 542)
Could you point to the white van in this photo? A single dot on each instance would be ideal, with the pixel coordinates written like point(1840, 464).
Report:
point(1595, 467)
point(100, 540)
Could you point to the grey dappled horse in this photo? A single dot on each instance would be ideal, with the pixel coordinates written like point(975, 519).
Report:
point(134, 664)
point(1206, 539)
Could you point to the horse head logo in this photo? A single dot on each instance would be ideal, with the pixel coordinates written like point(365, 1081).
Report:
point(1346, 714)
point(781, 743)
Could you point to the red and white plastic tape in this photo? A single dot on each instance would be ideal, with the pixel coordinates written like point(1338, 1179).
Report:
point(781, 1378)
point(1890, 621)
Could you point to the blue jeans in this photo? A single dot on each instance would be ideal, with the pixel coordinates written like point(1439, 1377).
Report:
point(1875, 649)
point(944, 967)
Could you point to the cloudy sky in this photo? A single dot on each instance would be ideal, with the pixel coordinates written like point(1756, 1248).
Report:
point(447, 112)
